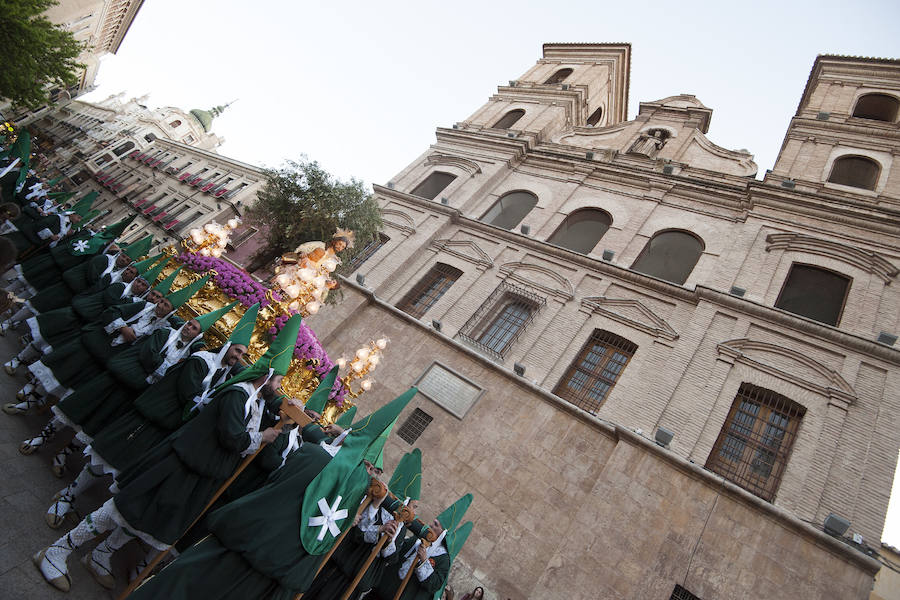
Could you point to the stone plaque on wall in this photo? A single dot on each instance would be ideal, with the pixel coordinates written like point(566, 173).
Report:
point(449, 389)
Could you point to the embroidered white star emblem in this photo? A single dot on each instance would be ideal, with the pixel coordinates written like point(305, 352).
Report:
point(329, 518)
point(80, 246)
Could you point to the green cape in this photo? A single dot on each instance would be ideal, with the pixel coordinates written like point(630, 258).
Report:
point(339, 485)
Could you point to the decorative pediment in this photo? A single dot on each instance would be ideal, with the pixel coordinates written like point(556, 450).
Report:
point(851, 255)
point(466, 250)
point(701, 152)
point(399, 220)
point(632, 313)
point(542, 278)
point(469, 166)
point(789, 365)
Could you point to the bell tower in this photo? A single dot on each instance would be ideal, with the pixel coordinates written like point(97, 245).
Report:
point(572, 85)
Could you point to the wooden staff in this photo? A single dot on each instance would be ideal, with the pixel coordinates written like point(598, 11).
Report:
point(429, 538)
point(288, 416)
point(403, 514)
point(376, 490)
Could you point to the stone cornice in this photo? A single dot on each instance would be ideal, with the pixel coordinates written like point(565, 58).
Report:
point(648, 320)
point(870, 262)
point(467, 250)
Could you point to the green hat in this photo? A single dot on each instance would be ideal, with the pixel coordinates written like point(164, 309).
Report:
point(206, 321)
point(61, 197)
point(84, 204)
point(53, 181)
point(455, 541)
point(165, 286)
point(116, 229)
point(452, 517)
point(375, 453)
point(277, 357)
point(140, 248)
point(406, 482)
point(319, 398)
point(346, 418)
point(151, 274)
point(144, 265)
point(179, 297)
point(243, 331)
point(343, 482)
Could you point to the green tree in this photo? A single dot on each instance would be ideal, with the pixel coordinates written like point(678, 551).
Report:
point(302, 202)
point(35, 54)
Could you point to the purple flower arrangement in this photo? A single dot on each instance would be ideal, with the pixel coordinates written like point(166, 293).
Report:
point(310, 349)
point(239, 285)
point(234, 282)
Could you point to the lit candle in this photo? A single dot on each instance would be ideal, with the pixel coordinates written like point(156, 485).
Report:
point(381, 343)
point(374, 360)
point(362, 353)
point(366, 385)
point(341, 362)
point(313, 307)
point(356, 366)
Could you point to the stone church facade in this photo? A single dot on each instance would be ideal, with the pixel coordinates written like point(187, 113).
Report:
point(567, 285)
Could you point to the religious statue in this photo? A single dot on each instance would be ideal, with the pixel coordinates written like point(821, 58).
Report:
point(314, 254)
point(649, 143)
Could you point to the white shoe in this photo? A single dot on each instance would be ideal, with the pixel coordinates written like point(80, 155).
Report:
point(93, 562)
point(56, 514)
point(54, 568)
point(11, 366)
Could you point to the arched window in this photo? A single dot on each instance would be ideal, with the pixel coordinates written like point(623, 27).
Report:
point(855, 171)
point(669, 255)
point(582, 230)
point(175, 123)
point(595, 116)
point(510, 209)
point(366, 252)
point(433, 185)
point(558, 77)
point(595, 370)
point(755, 442)
point(879, 107)
point(814, 292)
point(509, 119)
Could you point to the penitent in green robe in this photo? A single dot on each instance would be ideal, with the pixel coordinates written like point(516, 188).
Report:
point(45, 268)
point(255, 551)
point(27, 237)
point(161, 494)
point(153, 416)
point(62, 324)
point(99, 401)
point(415, 589)
point(60, 293)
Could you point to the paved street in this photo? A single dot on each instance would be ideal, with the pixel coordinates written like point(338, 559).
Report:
point(26, 487)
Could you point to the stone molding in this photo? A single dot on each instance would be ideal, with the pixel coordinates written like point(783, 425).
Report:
point(868, 261)
point(469, 166)
point(647, 320)
point(403, 221)
point(465, 249)
point(751, 353)
point(525, 273)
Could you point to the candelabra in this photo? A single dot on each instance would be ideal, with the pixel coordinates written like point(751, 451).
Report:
point(305, 285)
point(361, 365)
point(211, 239)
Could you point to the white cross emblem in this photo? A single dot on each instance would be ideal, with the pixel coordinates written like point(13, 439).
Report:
point(80, 246)
point(329, 518)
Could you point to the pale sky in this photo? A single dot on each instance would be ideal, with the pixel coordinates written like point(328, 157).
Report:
point(361, 86)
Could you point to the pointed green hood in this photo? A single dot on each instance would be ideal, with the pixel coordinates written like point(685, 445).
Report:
point(117, 228)
point(343, 482)
point(165, 286)
point(277, 357)
point(140, 248)
point(206, 321)
point(84, 204)
point(455, 541)
point(179, 297)
point(319, 398)
point(61, 197)
point(346, 419)
point(143, 266)
point(406, 482)
point(452, 516)
point(375, 453)
point(82, 245)
point(53, 182)
point(152, 274)
point(243, 331)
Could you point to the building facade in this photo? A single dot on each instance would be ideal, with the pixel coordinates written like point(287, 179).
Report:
point(658, 374)
point(101, 26)
point(160, 163)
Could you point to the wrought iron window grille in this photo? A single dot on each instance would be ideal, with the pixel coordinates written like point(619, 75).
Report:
point(494, 328)
point(414, 426)
point(429, 290)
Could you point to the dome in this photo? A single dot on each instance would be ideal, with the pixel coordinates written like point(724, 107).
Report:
point(205, 117)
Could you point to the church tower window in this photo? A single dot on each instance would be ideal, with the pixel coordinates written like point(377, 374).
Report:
point(558, 77)
point(510, 209)
point(433, 185)
point(814, 292)
point(670, 255)
point(582, 230)
point(878, 107)
point(855, 171)
point(595, 116)
point(509, 119)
